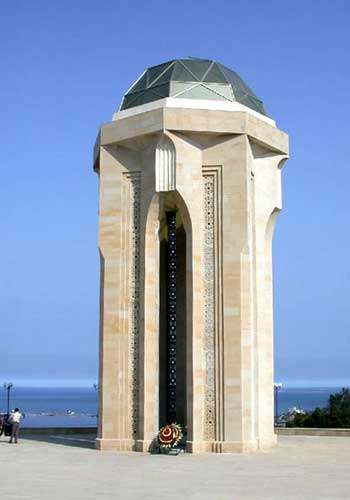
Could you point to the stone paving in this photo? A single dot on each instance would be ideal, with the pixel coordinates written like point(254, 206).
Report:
point(65, 468)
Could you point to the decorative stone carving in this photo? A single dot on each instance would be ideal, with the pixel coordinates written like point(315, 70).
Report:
point(171, 315)
point(134, 283)
point(209, 307)
point(165, 165)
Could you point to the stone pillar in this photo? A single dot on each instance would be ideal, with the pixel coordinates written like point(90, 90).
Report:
point(266, 182)
point(117, 196)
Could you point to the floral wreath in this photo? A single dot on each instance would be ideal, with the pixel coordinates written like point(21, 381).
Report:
point(169, 436)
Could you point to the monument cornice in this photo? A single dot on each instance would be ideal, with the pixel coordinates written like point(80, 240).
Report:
point(201, 121)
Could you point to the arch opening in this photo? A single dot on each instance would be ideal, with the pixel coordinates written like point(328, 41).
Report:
point(173, 334)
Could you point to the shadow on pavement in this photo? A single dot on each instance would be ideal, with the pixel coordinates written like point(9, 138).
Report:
point(80, 441)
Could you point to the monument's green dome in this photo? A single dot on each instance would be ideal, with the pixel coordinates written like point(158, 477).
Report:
point(191, 78)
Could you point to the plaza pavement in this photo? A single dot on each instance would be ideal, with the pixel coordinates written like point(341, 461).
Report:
point(67, 468)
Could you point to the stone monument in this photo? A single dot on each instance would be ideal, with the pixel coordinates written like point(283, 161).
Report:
point(189, 191)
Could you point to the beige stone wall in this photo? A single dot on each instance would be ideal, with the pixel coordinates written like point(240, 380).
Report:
point(227, 187)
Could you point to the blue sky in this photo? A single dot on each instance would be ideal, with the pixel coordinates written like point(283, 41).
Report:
point(65, 67)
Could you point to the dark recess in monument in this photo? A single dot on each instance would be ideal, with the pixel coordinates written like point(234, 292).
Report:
point(172, 339)
point(171, 316)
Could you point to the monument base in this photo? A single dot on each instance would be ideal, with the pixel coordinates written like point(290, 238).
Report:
point(231, 446)
point(196, 447)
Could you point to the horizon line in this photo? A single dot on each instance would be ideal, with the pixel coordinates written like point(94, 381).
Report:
point(85, 383)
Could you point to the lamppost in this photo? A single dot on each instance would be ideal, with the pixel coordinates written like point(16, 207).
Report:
point(96, 387)
point(277, 388)
point(7, 386)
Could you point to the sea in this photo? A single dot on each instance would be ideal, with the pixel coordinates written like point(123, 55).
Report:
point(53, 406)
point(77, 407)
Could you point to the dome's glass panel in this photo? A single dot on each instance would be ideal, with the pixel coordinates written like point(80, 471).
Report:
point(139, 84)
point(197, 68)
point(214, 75)
point(182, 74)
point(161, 90)
point(165, 77)
point(152, 73)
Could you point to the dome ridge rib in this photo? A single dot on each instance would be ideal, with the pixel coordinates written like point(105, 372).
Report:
point(196, 79)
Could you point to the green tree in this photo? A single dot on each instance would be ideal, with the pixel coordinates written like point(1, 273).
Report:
point(335, 415)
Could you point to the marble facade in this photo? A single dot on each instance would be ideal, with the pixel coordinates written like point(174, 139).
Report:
point(219, 166)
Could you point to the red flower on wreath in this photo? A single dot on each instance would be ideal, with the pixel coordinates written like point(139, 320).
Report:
point(169, 435)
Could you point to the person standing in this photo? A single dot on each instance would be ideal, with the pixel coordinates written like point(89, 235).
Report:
point(15, 419)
